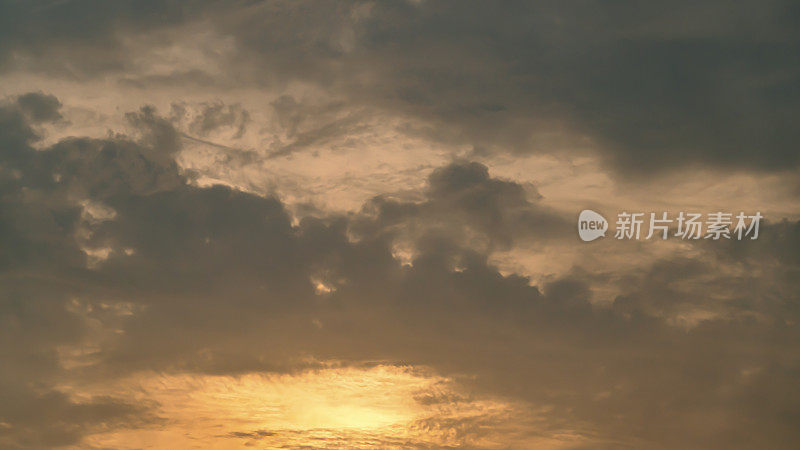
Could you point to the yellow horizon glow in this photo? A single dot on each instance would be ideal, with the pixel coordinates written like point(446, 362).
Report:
point(357, 407)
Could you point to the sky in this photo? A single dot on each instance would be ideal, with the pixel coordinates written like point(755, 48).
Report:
point(335, 224)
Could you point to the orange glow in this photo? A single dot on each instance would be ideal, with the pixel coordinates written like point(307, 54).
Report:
point(386, 406)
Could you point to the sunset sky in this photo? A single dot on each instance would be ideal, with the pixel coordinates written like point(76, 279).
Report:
point(322, 224)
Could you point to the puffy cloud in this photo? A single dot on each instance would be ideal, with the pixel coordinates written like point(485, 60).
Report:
point(211, 280)
point(40, 107)
point(466, 206)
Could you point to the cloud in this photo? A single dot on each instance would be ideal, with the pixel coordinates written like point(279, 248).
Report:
point(466, 205)
point(211, 117)
point(43, 268)
point(40, 107)
point(115, 262)
point(76, 39)
point(52, 420)
point(650, 88)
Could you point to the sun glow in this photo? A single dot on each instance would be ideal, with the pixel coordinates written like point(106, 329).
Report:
point(386, 406)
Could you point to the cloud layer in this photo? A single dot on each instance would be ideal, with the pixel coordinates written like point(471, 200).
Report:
point(177, 228)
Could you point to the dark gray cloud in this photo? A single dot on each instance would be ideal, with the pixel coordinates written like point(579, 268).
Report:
point(652, 86)
point(222, 282)
point(40, 107)
point(52, 420)
point(43, 272)
point(468, 206)
point(77, 38)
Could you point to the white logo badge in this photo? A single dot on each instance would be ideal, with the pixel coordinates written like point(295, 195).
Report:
point(591, 225)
